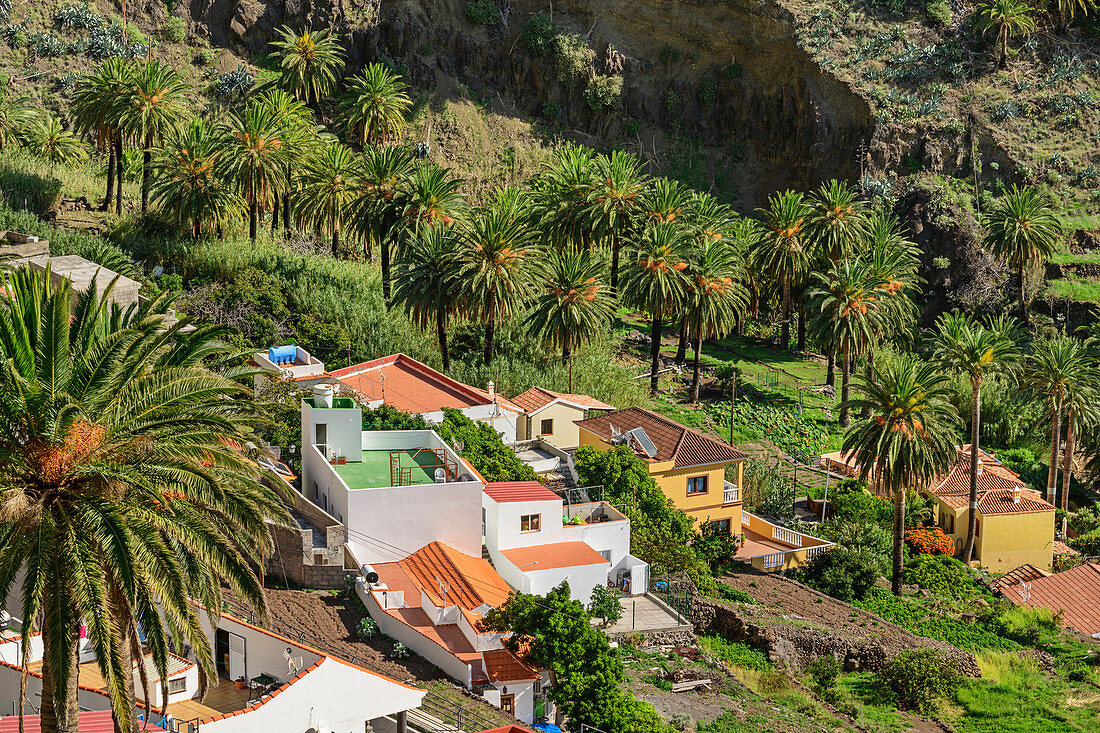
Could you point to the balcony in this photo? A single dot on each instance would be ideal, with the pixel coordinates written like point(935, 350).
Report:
point(593, 512)
point(731, 494)
point(769, 546)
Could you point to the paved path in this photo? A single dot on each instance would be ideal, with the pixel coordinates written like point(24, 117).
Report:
point(643, 613)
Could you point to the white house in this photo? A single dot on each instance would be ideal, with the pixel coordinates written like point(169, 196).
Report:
point(536, 541)
point(432, 602)
point(394, 490)
point(286, 687)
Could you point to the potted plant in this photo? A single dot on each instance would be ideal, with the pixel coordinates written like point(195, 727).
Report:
point(241, 682)
point(341, 460)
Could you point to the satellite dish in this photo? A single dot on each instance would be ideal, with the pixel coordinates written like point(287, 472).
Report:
point(372, 577)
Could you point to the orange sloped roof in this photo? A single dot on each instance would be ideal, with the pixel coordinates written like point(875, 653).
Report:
point(501, 665)
point(553, 555)
point(1075, 592)
point(509, 491)
point(537, 398)
point(468, 582)
point(673, 441)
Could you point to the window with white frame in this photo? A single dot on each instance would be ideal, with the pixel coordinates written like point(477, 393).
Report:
point(177, 685)
point(530, 523)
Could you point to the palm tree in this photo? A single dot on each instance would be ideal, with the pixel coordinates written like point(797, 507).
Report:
point(1023, 228)
point(614, 198)
point(1068, 10)
point(562, 195)
point(715, 295)
point(327, 189)
point(379, 205)
point(311, 62)
point(122, 500)
point(654, 280)
point(189, 179)
point(572, 302)
point(300, 135)
point(785, 249)
point(670, 201)
point(376, 103)
point(909, 436)
point(254, 156)
point(1081, 413)
point(426, 282)
point(846, 307)
point(495, 262)
point(56, 144)
point(1007, 19)
point(152, 103)
point(965, 346)
point(95, 111)
point(17, 118)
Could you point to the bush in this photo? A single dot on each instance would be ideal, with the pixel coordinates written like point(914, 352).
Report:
point(708, 93)
point(715, 545)
point(939, 11)
point(174, 29)
point(1023, 625)
point(842, 574)
point(234, 84)
point(920, 678)
point(823, 672)
point(929, 541)
point(539, 35)
point(940, 574)
point(735, 653)
point(366, 629)
point(767, 489)
point(605, 604)
point(572, 58)
point(863, 508)
point(482, 12)
point(726, 593)
point(604, 92)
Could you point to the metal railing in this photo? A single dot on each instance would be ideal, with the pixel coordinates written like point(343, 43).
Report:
point(678, 593)
point(439, 706)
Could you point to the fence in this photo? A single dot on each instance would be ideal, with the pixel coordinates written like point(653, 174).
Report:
point(435, 704)
point(678, 593)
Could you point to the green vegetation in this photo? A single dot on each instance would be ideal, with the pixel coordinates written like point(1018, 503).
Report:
point(920, 679)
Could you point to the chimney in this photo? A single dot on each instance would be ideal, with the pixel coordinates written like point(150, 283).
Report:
point(980, 466)
point(491, 388)
point(1015, 494)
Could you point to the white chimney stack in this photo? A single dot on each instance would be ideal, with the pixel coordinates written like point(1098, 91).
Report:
point(980, 466)
point(1015, 494)
point(491, 389)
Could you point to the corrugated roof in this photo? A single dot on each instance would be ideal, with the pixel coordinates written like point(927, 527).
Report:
point(553, 555)
point(537, 398)
point(674, 442)
point(1075, 592)
point(469, 582)
point(90, 721)
point(501, 665)
point(510, 491)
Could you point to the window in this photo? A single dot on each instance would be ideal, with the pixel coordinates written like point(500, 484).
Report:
point(697, 485)
point(322, 434)
point(721, 525)
point(177, 685)
point(530, 523)
point(606, 554)
point(537, 687)
point(547, 427)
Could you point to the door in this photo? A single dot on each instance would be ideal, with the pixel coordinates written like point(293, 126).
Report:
point(236, 657)
point(221, 652)
point(508, 704)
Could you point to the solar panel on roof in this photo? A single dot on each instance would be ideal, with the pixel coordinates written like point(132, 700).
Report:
point(639, 435)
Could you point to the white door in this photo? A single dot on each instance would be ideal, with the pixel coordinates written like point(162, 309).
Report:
point(236, 657)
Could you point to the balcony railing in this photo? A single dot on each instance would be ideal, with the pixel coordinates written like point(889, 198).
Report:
point(731, 493)
point(787, 536)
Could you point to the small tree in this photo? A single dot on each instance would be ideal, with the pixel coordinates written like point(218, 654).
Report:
point(843, 574)
point(605, 604)
point(920, 678)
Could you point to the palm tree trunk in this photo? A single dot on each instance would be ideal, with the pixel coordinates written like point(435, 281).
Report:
point(253, 219)
point(785, 338)
point(1023, 304)
point(110, 176)
point(1055, 444)
point(899, 535)
point(1067, 464)
point(869, 373)
point(801, 328)
point(335, 239)
point(975, 437)
point(490, 332)
point(697, 332)
point(274, 214)
point(286, 203)
point(384, 252)
point(614, 260)
point(60, 710)
point(830, 369)
point(441, 332)
point(567, 358)
point(146, 165)
point(121, 167)
point(681, 344)
point(654, 351)
point(845, 384)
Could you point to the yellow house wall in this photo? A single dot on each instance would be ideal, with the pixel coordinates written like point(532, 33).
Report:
point(1007, 541)
point(566, 432)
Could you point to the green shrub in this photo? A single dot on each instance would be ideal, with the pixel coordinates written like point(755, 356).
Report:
point(823, 672)
point(482, 12)
point(939, 11)
point(605, 605)
point(174, 29)
point(604, 92)
point(572, 58)
point(539, 35)
point(735, 653)
point(941, 574)
point(205, 57)
point(842, 573)
point(920, 678)
point(767, 489)
point(1023, 625)
point(708, 93)
point(727, 593)
point(366, 629)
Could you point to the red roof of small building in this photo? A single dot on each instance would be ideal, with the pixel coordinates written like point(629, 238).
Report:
point(1023, 574)
point(553, 555)
point(501, 665)
point(996, 486)
point(470, 582)
point(413, 387)
point(537, 398)
point(90, 721)
point(674, 442)
point(511, 491)
point(1074, 592)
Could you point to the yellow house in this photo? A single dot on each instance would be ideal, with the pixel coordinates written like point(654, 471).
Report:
point(689, 467)
point(552, 416)
point(1015, 525)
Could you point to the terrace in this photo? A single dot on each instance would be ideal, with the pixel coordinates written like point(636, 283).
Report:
point(768, 546)
point(594, 512)
point(381, 468)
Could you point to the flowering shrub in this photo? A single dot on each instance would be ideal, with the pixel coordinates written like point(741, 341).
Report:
point(929, 541)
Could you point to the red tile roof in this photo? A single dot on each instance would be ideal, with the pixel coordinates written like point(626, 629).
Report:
point(90, 721)
point(684, 446)
point(996, 486)
point(468, 582)
point(537, 398)
point(553, 555)
point(1075, 592)
point(1023, 574)
point(509, 491)
point(413, 387)
point(1061, 548)
point(501, 665)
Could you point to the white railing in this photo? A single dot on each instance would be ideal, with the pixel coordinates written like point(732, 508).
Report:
point(787, 536)
point(773, 560)
point(731, 494)
point(812, 552)
point(744, 519)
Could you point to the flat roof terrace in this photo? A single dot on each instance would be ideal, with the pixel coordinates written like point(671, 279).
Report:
point(373, 471)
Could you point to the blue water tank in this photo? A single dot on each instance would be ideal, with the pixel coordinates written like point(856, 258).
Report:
point(547, 727)
point(282, 354)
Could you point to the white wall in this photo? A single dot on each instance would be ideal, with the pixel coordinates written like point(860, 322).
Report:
point(582, 579)
point(345, 426)
point(191, 675)
point(10, 675)
point(332, 697)
point(263, 653)
point(524, 702)
point(506, 524)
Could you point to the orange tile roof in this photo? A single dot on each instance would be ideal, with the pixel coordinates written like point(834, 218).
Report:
point(509, 491)
point(468, 582)
point(413, 387)
point(537, 398)
point(996, 485)
point(1075, 592)
point(553, 555)
point(1023, 574)
point(1061, 548)
point(684, 446)
point(501, 665)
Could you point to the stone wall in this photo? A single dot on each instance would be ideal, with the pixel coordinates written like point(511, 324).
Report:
point(288, 561)
point(673, 637)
